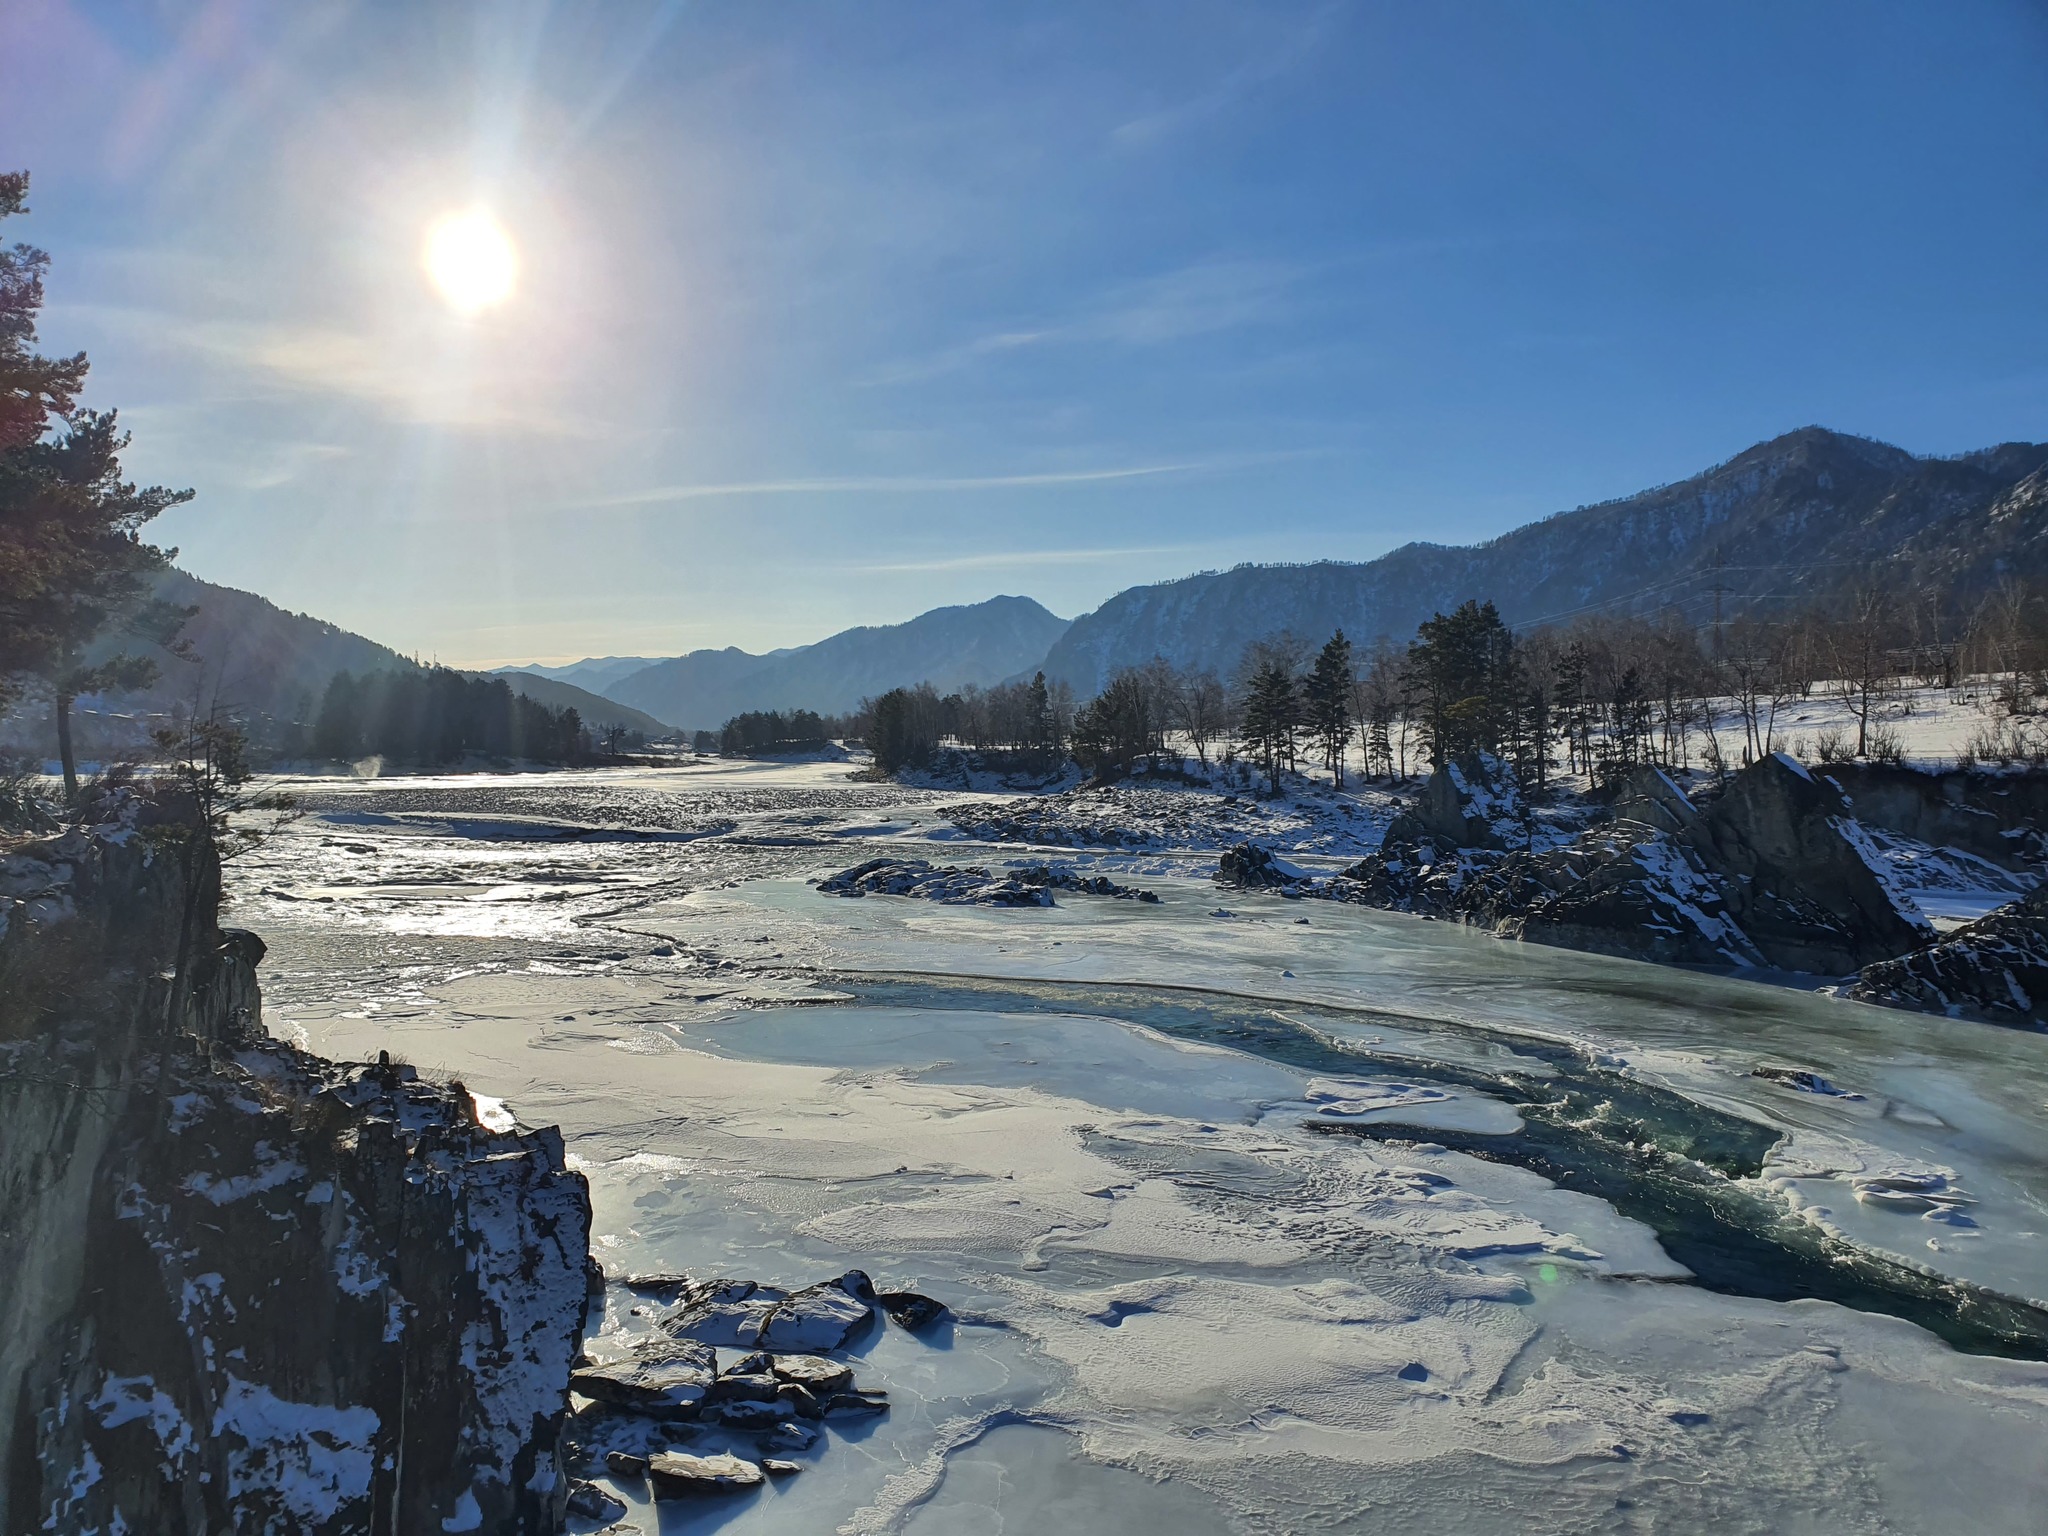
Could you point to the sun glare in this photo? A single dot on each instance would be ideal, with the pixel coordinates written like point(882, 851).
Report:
point(471, 260)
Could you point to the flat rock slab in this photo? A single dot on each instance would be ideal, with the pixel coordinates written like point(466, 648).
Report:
point(676, 1475)
point(739, 1314)
point(821, 1376)
point(668, 1378)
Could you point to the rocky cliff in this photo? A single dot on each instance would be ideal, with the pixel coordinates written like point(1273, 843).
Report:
point(248, 1289)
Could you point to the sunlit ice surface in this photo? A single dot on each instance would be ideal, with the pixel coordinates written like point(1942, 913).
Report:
point(471, 260)
point(1092, 1130)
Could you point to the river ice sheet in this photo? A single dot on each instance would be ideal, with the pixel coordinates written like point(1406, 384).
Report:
point(1176, 1306)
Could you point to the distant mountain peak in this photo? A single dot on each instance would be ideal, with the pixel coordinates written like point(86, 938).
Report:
point(968, 643)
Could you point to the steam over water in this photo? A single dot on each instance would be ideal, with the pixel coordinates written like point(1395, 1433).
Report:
point(1247, 1224)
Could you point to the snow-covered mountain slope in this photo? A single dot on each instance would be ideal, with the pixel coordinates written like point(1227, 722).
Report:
point(1789, 517)
point(948, 647)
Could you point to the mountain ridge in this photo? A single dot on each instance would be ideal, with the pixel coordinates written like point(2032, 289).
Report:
point(1788, 509)
point(972, 643)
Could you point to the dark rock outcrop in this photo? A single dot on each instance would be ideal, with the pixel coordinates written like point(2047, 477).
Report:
point(1471, 803)
point(1248, 867)
point(1995, 969)
point(245, 1288)
point(1031, 886)
point(1996, 816)
point(908, 1309)
point(931, 882)
point(1774, 872)
point(744, 1315)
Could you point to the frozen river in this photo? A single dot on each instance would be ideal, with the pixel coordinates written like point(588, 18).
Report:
point(1253, 1215)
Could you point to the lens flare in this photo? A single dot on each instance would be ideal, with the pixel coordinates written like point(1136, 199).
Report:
point(471, 259)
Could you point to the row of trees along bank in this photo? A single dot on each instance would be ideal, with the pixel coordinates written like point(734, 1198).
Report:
point(1592, 696)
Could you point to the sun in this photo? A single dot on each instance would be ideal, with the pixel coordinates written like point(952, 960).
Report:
point(471, 259)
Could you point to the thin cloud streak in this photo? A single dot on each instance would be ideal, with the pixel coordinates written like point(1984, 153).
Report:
point(903, 483)
point(1022, 558)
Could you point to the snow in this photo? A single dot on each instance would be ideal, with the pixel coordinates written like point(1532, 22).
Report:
point(1171, 1292)
point(125, 1399)
point(309, 1458)
point(492, 1114)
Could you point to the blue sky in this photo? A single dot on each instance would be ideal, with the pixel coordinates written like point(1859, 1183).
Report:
point(831, 313)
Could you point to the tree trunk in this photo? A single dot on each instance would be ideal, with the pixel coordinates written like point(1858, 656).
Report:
point(65, 754)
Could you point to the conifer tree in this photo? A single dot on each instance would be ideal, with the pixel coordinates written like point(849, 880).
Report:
point(72, 562)
point(1271, 712)
point(1327, 697)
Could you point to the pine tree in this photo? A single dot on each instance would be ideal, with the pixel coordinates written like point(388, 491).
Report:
point(72, 563)
point(1042, 726)
point(1464, 671)
point(1271, 712)
point(1327, 698)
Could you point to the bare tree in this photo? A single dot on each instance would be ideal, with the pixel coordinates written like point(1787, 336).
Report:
point(1201, 709)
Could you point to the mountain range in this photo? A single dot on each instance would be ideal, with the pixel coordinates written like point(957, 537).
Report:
point(1783, 521)
point(950, 648)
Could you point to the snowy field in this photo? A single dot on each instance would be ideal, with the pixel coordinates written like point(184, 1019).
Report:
point(1186, 1173)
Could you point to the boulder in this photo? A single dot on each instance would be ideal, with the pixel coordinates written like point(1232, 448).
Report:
point(817, 1317)
point(669, 1378)
point(675, 1475)
point(740, 1314)
point(799, 1400)
point(855, 1405)
point(732, 1388)
point(1649, 796)
point(813, 1372)
point(1773, 873)
point(1472, 802)
point(1060, 877)
point(587, 1501)
point(625, 1465)
point(929, 882)
point(790, 1436)
point(1248, 867)
point(747, 1413)
point(1995, 969)
point(909, 1310)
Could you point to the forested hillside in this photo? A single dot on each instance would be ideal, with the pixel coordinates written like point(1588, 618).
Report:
point(1790, 520)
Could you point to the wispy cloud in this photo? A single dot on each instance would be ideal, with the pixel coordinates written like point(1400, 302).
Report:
point(1199, 299)
point(1261, 68)
point(388, 372)
point(905, 484)
point(1024, 559)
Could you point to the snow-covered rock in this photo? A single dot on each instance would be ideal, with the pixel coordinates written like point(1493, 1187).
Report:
point(1030, 885)
point(1774, 872)
point(664, 1378)
point(1994, 969)
point(245, 1286)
